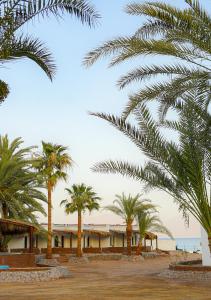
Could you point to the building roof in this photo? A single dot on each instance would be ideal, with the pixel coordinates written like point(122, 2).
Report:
point(12, 227)
point(148, 235)
point(97, 232)
point(88, 231)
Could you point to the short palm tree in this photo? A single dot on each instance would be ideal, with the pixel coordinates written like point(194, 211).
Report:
point(15, 14)
point(181, 34)
point(182, 169)
point(148, 221)
point(52, 165)
point(20, 193)
point(82, 198)
point(127, 208)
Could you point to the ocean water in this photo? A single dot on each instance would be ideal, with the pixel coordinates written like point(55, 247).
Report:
point(188, 244)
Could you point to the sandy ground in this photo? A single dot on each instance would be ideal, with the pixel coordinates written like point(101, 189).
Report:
point(111, 280)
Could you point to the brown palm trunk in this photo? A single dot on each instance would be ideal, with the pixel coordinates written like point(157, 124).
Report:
point(138, 250)
point(129, 234)
point(5, 211)
point(79, 251)
point(49, 244)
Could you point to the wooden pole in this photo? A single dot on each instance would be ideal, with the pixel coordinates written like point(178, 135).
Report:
point(30, 239)
point(71, 240)
point(99, 241)
point(156, 242)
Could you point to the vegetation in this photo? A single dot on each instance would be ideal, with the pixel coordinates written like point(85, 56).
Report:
point(51, 165)
point(148, 221)
point(127, 207)
point(183, 168)
point(20, 195)
point(181, 34)
point(82, 198)
point(15, 14)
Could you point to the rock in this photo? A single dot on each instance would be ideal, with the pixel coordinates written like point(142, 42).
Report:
point(34, 276)
point(133, 258)
point(78, 260)
point(48, 262)
point(186, 275)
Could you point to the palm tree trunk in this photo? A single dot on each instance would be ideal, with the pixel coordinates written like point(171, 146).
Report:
point(129, 234)
point(79, 251)
point(138, 250)
point(4, 211)
point(49, 245)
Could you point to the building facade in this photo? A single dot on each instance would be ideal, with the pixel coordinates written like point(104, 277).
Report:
point(95, 238)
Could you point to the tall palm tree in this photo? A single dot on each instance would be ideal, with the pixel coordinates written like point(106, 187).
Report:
point(82, 198)
point(127, 208)
point(181, 34)
point(14, 14)
point(20, 193)
point(52, 165)
point(148, 221)
point(182, 169)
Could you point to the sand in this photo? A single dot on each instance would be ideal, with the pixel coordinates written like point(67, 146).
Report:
point(111, 280)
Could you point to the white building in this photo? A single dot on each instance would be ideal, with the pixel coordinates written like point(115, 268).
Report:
point(95, 238)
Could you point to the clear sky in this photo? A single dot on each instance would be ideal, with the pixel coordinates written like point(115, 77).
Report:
point(37, 109)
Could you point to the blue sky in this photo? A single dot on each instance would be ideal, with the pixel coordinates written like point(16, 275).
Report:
point(37, 109)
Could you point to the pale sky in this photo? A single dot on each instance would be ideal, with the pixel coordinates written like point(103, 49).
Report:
point(37, 109)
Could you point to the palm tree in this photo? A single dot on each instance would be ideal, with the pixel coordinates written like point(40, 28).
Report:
point(127, 208)
point(182, 169)
point(82, 198)
point(14, 14)
point(181, 34)
point(148, 221)
point(20, 193)
point(52, 164)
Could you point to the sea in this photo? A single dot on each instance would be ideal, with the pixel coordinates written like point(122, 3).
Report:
point(188, 244)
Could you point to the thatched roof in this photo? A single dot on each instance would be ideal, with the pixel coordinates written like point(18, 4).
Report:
point(148, 235)
point(13, 227)
point(97, 232)
point(65, 231)
point(85, 231)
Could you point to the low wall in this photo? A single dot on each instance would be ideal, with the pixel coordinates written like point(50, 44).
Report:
point(25, 250)
point(18, 260)
point(60, 250)
point(92, 250)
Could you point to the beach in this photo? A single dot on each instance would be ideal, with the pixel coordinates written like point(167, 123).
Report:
point(112, 280)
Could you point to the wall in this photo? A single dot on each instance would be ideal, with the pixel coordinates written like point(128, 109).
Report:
point(18, 260)
point(206, 257)
point(17, 242)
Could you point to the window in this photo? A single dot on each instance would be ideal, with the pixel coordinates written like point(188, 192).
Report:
point(62, 241)
point(88, 242)
point(56, 241)
point(25, 242)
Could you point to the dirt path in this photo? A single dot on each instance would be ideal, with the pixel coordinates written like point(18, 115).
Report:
point(111, 280)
